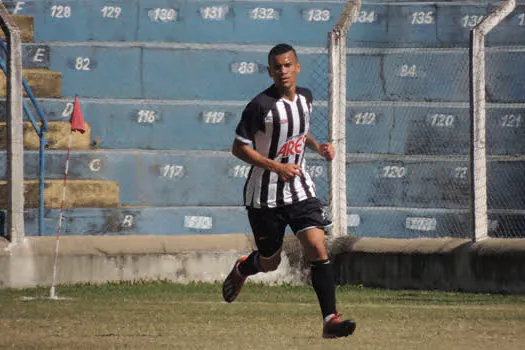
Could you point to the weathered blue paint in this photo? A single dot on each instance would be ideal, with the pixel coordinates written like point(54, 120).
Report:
point(429, 223)
point(388, 128)
point(138, 221)
point(33, 55)
point(221, 74)
point(455, 22)
point(98, 72)
point(505, 80)
point(156, 178)
point(414, 24)
point(379, 24)
point(431, 130)
point(178, 178)
point(436, 188)
point(362, 222)
point(426, 76)
point(407, 223)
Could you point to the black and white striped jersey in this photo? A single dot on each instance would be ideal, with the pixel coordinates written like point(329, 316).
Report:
point(277, 129)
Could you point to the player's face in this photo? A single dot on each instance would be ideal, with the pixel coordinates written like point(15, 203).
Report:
point(284, 69)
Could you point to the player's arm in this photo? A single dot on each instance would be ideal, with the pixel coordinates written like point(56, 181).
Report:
point(326, 150)
point(246, 153)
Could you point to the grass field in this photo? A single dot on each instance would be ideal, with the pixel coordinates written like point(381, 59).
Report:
point(161, 315)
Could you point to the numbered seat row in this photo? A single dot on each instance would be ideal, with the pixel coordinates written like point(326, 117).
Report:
point(193, 178)
point(383, 128)
point(362, 222)
point(190, 73)
point(249, 22)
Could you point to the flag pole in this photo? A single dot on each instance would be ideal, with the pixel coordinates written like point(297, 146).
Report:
point(77, 124)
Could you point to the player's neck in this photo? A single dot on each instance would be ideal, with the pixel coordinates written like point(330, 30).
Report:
point(288, 94)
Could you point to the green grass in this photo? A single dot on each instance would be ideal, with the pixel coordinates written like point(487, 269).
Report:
point(162, 315)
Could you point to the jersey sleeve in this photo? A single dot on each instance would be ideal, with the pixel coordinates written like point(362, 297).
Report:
point(252, 120)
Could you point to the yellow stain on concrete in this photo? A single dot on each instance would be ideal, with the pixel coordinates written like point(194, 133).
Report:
point(43, 82)
point(57, 137)
point(79, 194)
point(25, 24)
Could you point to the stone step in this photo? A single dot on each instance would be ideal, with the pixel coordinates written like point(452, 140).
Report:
point(80, 194)
point(378, 24)
point(371, 127)
point(43, 82)
point(158, 71)
point(173, 221)
point(205, 178)
point(25, 24)
point(57, 136)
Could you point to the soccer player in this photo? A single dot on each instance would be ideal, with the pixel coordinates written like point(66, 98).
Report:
point(271, 137)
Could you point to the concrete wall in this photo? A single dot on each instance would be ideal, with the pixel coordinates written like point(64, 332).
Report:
point(496, 266)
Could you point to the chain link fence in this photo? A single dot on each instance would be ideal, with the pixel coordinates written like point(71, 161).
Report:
point(407, 115)
point(408, 134)
point(318, 167)
point(505, 141)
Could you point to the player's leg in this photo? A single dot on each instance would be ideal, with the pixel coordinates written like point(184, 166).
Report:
point(308, 222)
point(268, 229)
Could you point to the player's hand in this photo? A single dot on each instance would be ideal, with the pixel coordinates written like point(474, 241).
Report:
point(288, 171)
point(327, 151)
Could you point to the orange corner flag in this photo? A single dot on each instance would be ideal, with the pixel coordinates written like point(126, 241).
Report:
point(77, 119)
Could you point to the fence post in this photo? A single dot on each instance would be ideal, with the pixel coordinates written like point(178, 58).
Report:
point(15, 141)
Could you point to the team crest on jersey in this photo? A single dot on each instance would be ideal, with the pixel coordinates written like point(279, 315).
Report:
point(292, 147)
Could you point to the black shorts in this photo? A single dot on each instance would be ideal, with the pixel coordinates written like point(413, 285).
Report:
point(269, 224)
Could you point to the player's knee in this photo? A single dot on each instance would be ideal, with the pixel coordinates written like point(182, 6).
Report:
point(270, 264)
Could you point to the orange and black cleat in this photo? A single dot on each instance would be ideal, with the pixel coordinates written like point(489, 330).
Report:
point(232, 285)
point(334, 327)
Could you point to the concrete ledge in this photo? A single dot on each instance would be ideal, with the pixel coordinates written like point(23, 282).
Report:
point(206, 258)
point(43, 82)
point(127, 245)
point(80, 194)
point(495, 265)
point(57, 137)
point(25, 24)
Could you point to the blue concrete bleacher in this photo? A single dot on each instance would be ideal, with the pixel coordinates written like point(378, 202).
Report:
point(163, 84)
point(377, 128)
point(156, 178)
point(362, 222)
point(208, 178)
point(392, 24)
point(192, 73)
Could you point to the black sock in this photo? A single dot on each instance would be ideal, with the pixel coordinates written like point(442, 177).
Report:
point(250, 266)
point(323, 282)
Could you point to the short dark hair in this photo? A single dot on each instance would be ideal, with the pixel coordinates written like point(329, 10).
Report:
point(279, 49)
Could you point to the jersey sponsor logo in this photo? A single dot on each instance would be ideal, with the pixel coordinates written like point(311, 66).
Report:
point(292, 147)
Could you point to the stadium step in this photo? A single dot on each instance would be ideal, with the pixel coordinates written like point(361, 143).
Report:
point(208, 178)
point(362, 222)
point(372, 127)
point(43, 82)
point(80, 193)
point(411, 24)
point(139, 221)
point(160, 72)
point(57, 137)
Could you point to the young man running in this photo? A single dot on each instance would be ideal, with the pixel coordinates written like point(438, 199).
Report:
point(271, 136)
